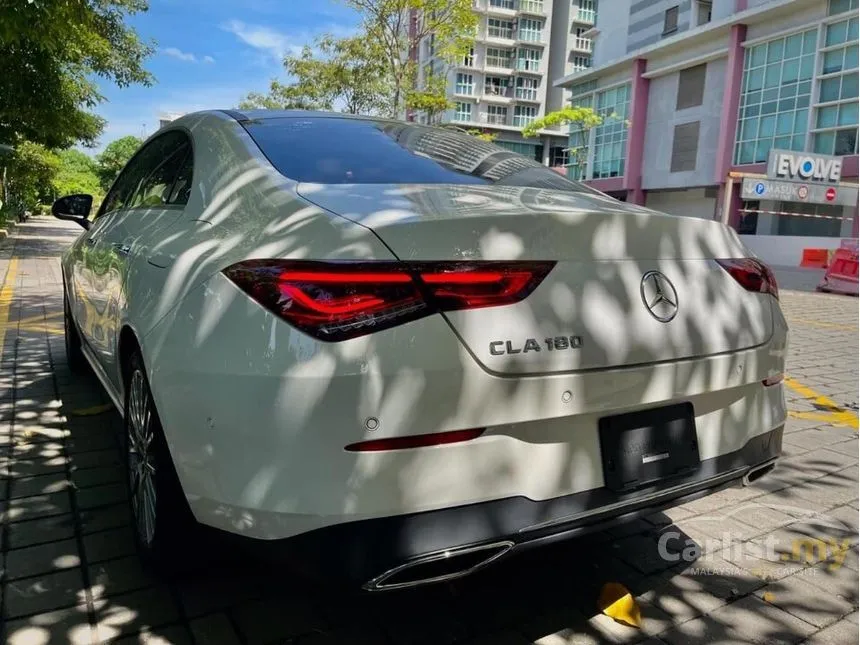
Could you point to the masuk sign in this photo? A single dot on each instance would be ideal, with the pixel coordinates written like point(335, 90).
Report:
point(785, 165)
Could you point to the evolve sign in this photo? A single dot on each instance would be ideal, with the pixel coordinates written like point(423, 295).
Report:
point(803, 166)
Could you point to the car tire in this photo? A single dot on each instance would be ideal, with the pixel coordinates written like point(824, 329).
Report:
point(161, 518)
point(74, 354)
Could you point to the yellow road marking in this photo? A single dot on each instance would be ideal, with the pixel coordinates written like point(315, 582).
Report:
point(6, 294)
point(828, 410)
point(816, 323)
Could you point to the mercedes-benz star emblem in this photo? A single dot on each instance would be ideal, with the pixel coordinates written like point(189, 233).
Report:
point(659, 296)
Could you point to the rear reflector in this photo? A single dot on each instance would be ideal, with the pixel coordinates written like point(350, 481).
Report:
point(773, 380)
point(752, 275)
point(415, 441)
point(334, 301)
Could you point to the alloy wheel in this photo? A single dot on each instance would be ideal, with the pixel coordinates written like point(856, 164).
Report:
point(141, 460)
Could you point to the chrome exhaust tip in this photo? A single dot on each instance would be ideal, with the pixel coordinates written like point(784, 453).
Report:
point(758, 472)
point(439, 567)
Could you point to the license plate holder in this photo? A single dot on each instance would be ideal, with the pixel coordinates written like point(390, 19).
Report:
point(643, 447)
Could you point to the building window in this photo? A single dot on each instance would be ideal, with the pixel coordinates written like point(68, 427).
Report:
point(465, 84)
point(703, 13)
point(836, 108)
point(503, 4)
point(581, 62)
point(527, 89)
point(462, 111)
point(827, 226)
point(528, 60)
point(685, 147)
point(500, 58)
point(691, 87)
point(531, 6)
point(610, 137)
point(496, 86)
point(469, 58)
point(841, 6)
point(496, 114)
point(524, 114)
point(558, 156)
point(530, 150)
point(670, 20)
point(500, 28)
point(777, 89)
point(586, 12)
point(531, 30)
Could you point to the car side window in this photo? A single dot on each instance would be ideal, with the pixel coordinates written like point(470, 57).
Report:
point(181, 190)
point(162, 159)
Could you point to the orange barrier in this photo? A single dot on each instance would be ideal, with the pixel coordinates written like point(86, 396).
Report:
point(816, 258)
point(841, 276)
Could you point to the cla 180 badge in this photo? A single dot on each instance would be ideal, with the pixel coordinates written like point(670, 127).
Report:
point(501, 347)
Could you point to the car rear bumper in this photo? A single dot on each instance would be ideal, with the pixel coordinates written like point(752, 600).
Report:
point(419, 548)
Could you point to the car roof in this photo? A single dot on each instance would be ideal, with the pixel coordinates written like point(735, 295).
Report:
point(265, 115)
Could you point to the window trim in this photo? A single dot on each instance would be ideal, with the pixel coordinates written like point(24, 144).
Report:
point(671, 30)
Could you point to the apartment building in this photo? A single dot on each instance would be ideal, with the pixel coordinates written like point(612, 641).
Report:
point(503, 83)
point(697, 97)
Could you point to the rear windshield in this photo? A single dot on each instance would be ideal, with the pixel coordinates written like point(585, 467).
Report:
point(331, 150)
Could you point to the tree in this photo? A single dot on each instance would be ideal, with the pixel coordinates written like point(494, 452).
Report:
point(51, 50)
point(582, 120)
point(30, 171)
point(432, 99)
point(77, 173)
point(342, 72)
point(114, 157)
point(396, 28)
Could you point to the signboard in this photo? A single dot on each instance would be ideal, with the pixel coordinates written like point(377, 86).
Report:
point(790, 191)
point(785, 165)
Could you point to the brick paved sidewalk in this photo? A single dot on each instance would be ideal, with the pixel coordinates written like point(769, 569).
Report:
point(776, 562)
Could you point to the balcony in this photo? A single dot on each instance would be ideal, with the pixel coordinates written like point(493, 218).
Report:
point(521, 121)
point(500, 95)
point(494, 119)
point(527, 95)
point(532, 7)
point(531, 38)
point(529, 66)
point(502, 8)
point(582, 45)
point(499, 66)
point(585, 16)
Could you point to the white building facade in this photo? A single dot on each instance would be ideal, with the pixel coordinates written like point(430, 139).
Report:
point(504, 83)
point(697, 94)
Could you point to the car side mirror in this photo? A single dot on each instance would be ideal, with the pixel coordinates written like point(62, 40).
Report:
point(75, 208)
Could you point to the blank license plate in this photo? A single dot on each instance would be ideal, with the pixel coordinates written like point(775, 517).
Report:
point(640, 448)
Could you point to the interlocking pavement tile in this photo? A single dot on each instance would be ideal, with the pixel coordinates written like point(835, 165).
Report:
point(40, 485)
point(31, 508)
point(840, 633)
point(814, 438)
point(134, 612)
point(18, 465)
point(115, 577)
point(218, 589)
point(104, 495)
point(89, 441)
point(850, 447)
point(834, 578)
point(69, 626)
point(87, 477)
point(798, 597)
point(172, 635)
point(36, 433)
point(106, 545)
point(828, 491)
point(644, 552)
point(42, 558)
point(95, 458)
point(276, 618)
point(48, 529)
point(214, 629)
point(749, 620)
point(105, 517)
point(507, 637)
point(44, 593)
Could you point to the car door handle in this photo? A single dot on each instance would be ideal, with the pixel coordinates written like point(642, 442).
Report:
point(91, 240)
point(122, 249)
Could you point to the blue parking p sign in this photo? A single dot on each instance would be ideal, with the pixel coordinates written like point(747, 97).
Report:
point(759, 188)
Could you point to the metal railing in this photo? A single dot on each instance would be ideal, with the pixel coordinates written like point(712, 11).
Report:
point(494, 119)
point(532, 6)
point(582, 44)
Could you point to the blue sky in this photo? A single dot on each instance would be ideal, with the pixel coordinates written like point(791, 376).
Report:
point(210, 53)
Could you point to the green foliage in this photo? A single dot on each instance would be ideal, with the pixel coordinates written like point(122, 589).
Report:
point(77, 173)
point(432, 99)
point(50, 51)
point(386, 27)
point(582, 118)
point(114, 157)
point(343, 71)
point(29, 172)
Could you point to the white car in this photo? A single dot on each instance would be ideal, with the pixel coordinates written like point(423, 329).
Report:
point(404, 352)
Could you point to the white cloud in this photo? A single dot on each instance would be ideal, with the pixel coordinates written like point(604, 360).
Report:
point(208, 59)
point(274, 43)
point(178, 53)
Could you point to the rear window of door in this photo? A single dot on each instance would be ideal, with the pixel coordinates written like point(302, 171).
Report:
point(164, 157)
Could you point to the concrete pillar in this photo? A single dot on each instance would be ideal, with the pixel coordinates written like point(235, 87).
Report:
point(546, 146)
point(636, 134)
point(854, 227)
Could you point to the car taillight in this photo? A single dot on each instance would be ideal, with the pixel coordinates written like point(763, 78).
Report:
point(335, 301)
point(752, 275)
